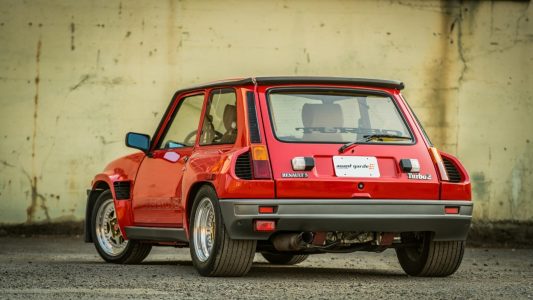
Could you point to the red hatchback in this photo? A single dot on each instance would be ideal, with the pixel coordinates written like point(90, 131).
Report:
point(288, 167)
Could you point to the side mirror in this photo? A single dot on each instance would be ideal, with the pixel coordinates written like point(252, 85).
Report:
point(138, 141)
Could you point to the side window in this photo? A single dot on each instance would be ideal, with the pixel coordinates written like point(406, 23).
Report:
point(220, 120)
point(184, 125)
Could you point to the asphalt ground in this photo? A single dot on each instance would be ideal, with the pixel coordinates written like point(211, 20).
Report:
point(51, 267)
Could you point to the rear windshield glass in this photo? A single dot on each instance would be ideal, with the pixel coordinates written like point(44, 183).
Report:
point(336, 117)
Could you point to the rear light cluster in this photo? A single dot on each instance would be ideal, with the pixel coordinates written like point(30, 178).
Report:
point(448, 171)
point(254, 166)
point(260, 163)
point(437, 160)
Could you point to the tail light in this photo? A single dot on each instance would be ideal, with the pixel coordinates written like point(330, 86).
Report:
point(437, 160)
point(260, 163)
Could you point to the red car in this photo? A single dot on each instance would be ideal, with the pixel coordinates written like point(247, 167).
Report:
point(288, 167)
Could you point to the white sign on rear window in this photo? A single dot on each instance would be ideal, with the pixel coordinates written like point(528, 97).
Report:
point(356, 166)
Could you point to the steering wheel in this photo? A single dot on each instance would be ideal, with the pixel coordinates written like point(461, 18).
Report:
point(208, 137)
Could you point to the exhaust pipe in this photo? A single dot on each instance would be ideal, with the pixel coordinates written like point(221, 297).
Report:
point(292, 241)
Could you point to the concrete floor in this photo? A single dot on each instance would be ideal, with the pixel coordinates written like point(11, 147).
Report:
point(65, 267)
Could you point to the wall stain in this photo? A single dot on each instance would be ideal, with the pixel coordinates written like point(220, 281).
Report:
point(104, 141)
point(83, 79)
point(480, 186)
point(439, 75)
point(173, 36)
point(36, 98)
point(72, 30)
point(6, 164)
point(35, 195)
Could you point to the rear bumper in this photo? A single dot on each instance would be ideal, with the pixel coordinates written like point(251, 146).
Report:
point(348, 215)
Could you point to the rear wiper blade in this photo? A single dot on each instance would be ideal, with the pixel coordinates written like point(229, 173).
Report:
point(368, 138)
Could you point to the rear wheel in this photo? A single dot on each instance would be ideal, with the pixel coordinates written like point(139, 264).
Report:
point(430, 258)
point(213, 252)
point(107, 237)
point(284, 259)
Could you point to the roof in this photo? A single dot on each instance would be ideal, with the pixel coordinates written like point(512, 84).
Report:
point(390, 84)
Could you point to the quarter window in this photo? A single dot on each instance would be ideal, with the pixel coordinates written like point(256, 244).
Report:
point(220, 120)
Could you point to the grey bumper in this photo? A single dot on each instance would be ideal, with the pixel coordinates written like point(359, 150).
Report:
point(348, 215)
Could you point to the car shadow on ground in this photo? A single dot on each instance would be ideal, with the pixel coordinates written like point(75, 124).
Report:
point(266, 270)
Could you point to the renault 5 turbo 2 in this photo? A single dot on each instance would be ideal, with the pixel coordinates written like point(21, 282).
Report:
point(287, 167)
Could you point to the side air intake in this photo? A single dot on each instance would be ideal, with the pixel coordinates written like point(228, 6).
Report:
point(451, 169)
point(122, 189)
point(243, 166)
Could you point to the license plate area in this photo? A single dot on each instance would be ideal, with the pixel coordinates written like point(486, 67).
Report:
point(356, 166)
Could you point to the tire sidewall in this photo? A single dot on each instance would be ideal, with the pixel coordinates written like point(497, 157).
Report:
point(415, 266)
point(106, 195)
point(205, 267)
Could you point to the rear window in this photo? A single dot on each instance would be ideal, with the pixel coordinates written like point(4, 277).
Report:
point(336, 117)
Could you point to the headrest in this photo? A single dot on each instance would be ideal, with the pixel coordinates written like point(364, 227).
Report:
point(322, 115)
point(230, 117)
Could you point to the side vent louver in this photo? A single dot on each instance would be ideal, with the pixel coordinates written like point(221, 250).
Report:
point(452, 171)
point(243, 166)
point(122, 189)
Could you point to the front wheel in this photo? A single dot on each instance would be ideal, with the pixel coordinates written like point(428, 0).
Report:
point(213, 252)
point(107, 237)
point(430, 258)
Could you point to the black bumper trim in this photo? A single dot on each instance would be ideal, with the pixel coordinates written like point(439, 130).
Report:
point(349, 215)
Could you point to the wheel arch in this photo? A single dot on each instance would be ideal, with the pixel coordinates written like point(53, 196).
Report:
point(98, 188)
point(193, 190)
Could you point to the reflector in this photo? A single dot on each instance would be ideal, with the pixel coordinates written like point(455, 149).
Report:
point(266, 209)
point(451, 210)
point(265, 225)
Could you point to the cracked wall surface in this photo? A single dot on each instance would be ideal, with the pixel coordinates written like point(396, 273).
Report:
point(76, 76)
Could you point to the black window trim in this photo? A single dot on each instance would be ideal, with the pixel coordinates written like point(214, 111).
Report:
point(208, 99)
point(349, 90)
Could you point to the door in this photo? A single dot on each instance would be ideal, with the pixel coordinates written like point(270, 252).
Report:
point(157, 192)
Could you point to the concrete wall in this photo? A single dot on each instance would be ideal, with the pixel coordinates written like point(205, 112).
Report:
point(76, 75)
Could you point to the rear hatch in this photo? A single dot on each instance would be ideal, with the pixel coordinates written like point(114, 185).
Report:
point(311, 124)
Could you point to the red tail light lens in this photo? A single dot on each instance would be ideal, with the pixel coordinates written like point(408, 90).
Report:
point(260, 163)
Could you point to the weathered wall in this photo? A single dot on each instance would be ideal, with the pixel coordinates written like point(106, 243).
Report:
point(76, 75)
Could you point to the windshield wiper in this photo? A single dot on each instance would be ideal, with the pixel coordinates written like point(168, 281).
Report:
point(368, 138)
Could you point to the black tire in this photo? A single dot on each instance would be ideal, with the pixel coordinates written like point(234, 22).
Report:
point(431, 258)
point(283, 258)
point(227, 257)
point(133, 253)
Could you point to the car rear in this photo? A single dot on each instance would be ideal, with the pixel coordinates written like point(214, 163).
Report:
point(352, 170)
